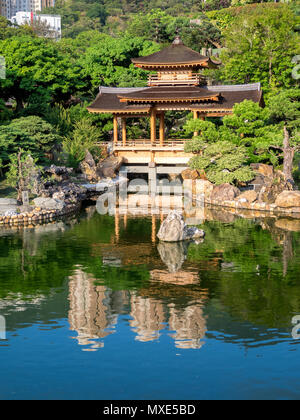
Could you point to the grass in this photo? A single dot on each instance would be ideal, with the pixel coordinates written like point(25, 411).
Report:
point(6, 191)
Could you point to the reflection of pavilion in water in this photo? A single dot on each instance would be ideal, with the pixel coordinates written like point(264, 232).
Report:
point(93, 309)
point(94, 313)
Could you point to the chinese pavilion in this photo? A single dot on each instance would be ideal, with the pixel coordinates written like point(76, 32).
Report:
point(177, 85)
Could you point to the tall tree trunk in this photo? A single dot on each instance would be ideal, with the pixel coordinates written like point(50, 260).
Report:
point(20, 105)
point(288, 155)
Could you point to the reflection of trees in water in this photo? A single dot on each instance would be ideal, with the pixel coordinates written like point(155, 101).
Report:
point(250, 266)
point(256, 275)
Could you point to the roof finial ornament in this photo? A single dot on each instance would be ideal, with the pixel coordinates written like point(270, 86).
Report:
point(177, 40)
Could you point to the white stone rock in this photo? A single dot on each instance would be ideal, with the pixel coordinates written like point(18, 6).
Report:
point(174, 229)
point(49, 203)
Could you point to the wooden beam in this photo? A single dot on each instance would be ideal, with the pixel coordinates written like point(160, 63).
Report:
point(124, 131)
point(162, 128)
point(115, 129)
point(153, 125)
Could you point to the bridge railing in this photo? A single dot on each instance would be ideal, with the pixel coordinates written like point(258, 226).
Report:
point(146, 144)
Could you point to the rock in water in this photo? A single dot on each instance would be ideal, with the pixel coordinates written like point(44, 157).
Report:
point(173, 254)
point(224, 192)
point(174, 229)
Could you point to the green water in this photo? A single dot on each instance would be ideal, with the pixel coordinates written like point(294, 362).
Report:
point(96, 308)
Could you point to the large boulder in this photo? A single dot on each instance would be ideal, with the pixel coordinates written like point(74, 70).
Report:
point(109, 167)
point(204, 187)
point(263, 169)
point(88, 167)
point(224, 192)
point(174, 229)
point(58, 173)
point(49, 203)
point(190, 174)
point(288, 199)
point(271, 190)
point(247, 196)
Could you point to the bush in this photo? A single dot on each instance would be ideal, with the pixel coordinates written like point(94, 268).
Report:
point(84, 137)
point(32, 134)
point(223, 162)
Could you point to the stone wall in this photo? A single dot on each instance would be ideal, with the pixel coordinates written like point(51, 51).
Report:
point(38, 216)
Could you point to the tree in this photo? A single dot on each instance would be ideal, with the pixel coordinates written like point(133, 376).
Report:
point(23, 173)
point(31, 134)
point(5, 113)
point(84, 137)
point(260, 45)
point(97, 11)
point(37, 72)
point(8, 30)
point(222, 160)
point(285, 110)
point(161, 27)
point(108, 61)
point(270, 135)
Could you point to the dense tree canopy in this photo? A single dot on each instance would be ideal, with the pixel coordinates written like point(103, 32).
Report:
point(32, 134)
point(260, 45)
point(36, 72)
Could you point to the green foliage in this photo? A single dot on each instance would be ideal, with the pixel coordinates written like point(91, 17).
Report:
point(5, 113)
point(258, 130)
point(161, 27)
point(32, 134)
point(84, 137)
point(36, 72)
point(7, 30)
point(223, 162)
point(260, 44)
point(22, 171)
point(285, 107)
point(108, 61)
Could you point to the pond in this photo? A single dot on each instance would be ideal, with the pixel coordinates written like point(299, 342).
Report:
point(96, 308)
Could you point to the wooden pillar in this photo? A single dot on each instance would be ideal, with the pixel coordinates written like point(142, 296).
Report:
point(161, 128)
point(115, 129)
point(124, 131)
point(195, 118)
point(153, 125)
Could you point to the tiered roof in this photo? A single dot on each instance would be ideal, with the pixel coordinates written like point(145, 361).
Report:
point(176, 55)
point(206, 98)
point(178, 59)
